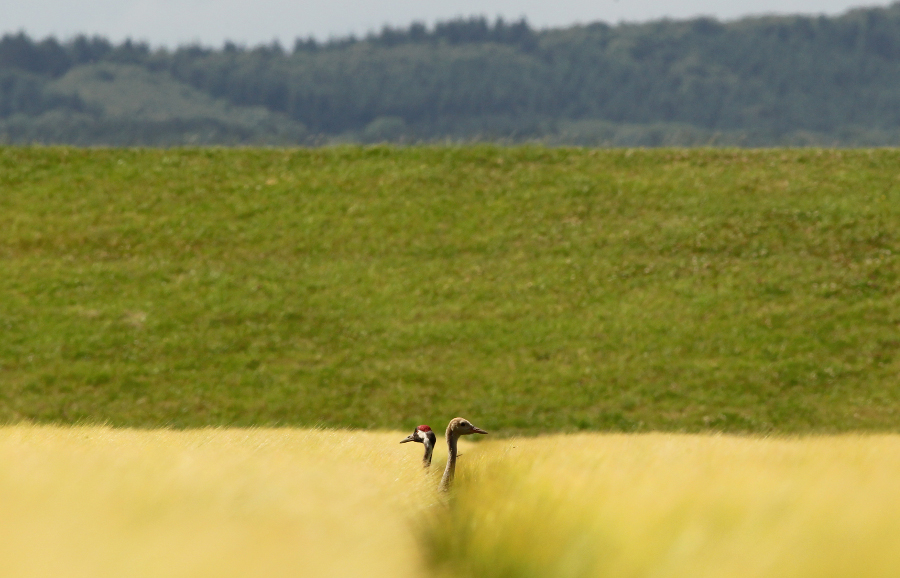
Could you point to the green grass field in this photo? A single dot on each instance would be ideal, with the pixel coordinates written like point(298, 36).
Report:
point(530, 289)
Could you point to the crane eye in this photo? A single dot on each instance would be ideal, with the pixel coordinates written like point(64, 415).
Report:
point(465, 424)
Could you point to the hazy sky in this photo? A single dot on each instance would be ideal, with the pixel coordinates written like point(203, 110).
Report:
point(211, 22)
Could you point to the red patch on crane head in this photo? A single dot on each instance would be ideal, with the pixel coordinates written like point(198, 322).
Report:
point(423, 428)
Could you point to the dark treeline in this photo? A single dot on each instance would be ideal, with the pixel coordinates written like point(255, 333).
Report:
point(764, 80)
point(52, 58)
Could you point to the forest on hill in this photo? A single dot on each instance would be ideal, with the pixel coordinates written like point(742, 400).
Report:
point(756, 81)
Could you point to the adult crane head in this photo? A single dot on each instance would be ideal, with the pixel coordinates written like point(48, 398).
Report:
point(421, 435)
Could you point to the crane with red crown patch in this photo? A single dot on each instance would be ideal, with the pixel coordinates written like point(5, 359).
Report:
point(423, 435)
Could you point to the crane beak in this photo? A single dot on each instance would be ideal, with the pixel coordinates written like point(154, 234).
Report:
point(478, 430)
point(409, 438)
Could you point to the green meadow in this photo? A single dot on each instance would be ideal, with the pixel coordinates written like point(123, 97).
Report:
point(530, 289)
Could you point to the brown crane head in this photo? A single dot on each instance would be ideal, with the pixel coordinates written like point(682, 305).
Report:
point(460, 427)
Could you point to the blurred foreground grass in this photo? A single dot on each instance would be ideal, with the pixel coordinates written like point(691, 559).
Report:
point(679, 506)
point(97, 502)
point(540, 289)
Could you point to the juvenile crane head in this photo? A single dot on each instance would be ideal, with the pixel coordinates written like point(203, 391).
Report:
point(420, 435)
point(460, 427)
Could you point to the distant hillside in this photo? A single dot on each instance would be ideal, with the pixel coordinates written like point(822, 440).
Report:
point(126, 104)
point(756, 81)
point(170, 111)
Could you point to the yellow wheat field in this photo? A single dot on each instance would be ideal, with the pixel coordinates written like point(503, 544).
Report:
point(97, 502)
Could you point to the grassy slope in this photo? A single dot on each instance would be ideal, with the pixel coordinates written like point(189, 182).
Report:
point(127, 104)
point(134, 93)
point(528, 289)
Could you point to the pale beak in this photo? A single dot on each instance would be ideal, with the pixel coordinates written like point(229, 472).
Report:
point(478, 430)
point(409, 438)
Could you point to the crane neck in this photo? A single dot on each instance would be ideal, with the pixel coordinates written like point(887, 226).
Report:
point(450, 470)
point(429, 443)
